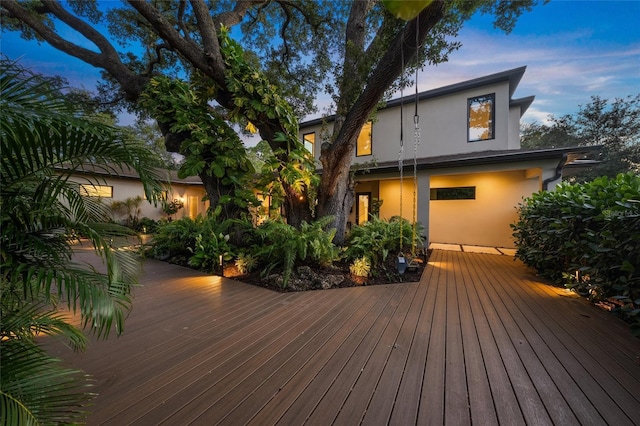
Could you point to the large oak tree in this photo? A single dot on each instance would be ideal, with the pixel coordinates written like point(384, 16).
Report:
point(355, 50)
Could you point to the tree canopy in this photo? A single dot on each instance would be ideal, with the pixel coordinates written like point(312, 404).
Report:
point(612, 124)
point(357, 52)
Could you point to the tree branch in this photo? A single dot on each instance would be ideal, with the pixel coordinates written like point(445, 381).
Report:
point(187, 48)
point(234, 17)
point(208, 34)
point(183, 27)
point(108, 57)
point(388, 69)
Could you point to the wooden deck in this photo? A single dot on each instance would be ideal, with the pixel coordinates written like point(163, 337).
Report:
point(480, 340)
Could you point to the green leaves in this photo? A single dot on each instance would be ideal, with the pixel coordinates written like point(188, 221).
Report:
point(210, 145)
point(281, 246)
point(377, 238)
point(44, 144)
point(592, 228)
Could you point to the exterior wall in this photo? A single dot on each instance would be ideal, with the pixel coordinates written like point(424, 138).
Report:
point(391, 194)
point(513, 141)
point(443, 127)
point(485, 220)
point(190, 195)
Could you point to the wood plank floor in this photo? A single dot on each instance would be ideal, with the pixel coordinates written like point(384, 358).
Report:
point(479, 340)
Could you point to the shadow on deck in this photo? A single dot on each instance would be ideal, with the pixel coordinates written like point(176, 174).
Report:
point(479, 340)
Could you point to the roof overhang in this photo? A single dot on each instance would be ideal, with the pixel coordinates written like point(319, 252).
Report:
point(567, 154)
point(513, 76)
point(125, 172)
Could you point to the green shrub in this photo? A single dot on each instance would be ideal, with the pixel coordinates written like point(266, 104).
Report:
point(281, 246)
point(211, 246)
point(176, 240)
point(245, 263)
point(377, 238)
point(197, 243)
point(587, 237)
point(147, 225)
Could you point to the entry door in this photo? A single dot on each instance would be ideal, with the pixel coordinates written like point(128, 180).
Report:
point(363, 207)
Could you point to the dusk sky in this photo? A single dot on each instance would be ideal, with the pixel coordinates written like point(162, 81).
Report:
point(573, 49)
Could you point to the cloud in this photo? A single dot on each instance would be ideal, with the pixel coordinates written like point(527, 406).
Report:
point(564, 69)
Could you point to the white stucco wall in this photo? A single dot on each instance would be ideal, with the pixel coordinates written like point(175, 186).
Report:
point(443, 127)
point(190, 195)
point(485, 220)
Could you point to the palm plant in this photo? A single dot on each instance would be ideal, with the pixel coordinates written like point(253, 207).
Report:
point(43, 141)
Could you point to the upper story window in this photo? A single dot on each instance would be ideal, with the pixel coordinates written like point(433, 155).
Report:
point(309, 141)
point(481, 111)
point(364, 141)
point(101, 191)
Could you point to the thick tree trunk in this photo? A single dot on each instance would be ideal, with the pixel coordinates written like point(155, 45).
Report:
point(336, 194)
point(215, 191)
point(296, 207)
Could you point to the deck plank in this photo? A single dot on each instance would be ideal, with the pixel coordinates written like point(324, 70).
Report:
point(479, 340)
point(482, 409)
point(601, 377)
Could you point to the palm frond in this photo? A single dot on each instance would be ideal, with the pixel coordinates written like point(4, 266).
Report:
point(43, 142)
point(35, 386)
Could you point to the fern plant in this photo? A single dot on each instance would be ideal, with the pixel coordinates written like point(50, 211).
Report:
point(377, 238)
point(281, 246)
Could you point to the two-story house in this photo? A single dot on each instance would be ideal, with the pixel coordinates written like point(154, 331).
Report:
point(465, 165)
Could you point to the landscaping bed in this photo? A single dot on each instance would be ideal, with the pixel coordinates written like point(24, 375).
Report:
point(308, 277)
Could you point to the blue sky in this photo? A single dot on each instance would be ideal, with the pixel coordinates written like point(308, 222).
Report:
point(572, 49)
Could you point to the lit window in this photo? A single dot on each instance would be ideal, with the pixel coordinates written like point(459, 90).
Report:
point(309, 140)
point(481, 118)
point(364, 141)
point(362, 208)
point(455, 193)
point(100, 191)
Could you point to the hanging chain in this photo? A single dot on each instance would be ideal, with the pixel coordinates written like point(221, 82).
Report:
point(401, 153)
point(416, 142)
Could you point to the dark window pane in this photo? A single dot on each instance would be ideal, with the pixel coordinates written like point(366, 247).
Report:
point(457, 193)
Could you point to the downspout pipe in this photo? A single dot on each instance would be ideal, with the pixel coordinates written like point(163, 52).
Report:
point(558, 175)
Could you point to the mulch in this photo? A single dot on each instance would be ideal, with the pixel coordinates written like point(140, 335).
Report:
point(384, 274)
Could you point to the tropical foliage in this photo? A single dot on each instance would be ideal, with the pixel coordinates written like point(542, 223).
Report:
point(274, 246)
point(587, 236)
point(377, 238)
point(281, 246)
point(355, 52)
point(43, 141)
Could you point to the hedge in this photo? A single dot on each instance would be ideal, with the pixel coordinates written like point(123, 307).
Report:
point(587, 237)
